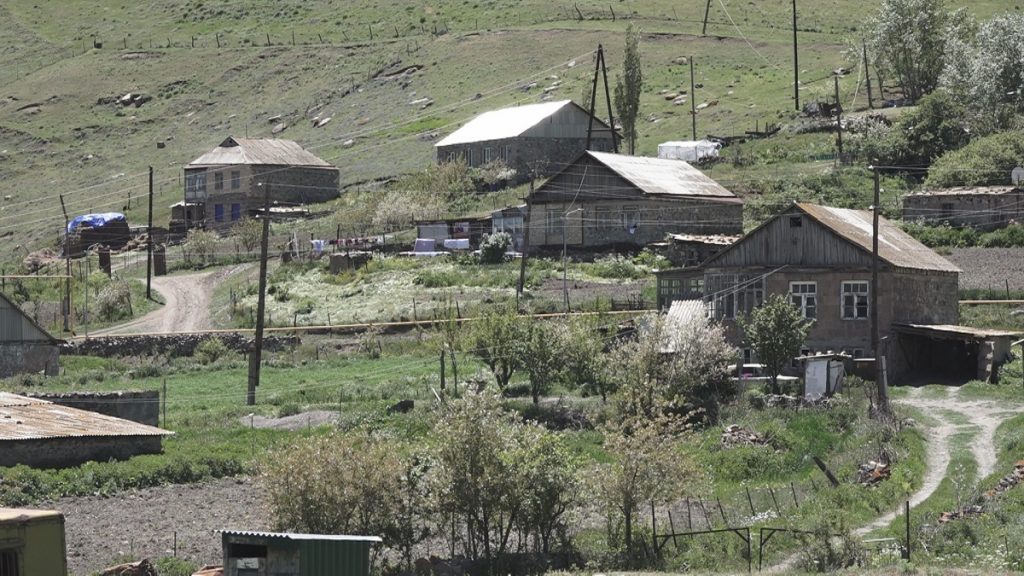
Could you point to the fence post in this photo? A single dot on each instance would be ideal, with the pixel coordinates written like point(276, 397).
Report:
point(906, 509)
point(751, 502)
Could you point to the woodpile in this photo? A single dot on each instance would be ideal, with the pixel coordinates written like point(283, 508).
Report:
point(735, 435)
point(1008, 481)
point(872, 473)
point(141, 568)
point(965, 512)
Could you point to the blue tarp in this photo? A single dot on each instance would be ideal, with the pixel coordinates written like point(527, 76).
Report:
point(95, 220)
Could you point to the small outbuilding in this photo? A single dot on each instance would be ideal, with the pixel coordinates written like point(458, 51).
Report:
point(249, 553)
point(982, 208)
point(32, 542)
point(25, 347)
point(42, 434)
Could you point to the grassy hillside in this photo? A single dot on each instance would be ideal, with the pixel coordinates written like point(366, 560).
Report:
point(60, 134)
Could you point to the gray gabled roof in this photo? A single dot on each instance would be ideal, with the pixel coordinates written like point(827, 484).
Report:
point(265, 151)
point(661, 177)
point(508, 123)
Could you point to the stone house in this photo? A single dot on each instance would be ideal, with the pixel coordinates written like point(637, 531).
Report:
point(821, 258)
point(230, 180)
point(542, 137)
point(984, 208)
point(25, 347)
point(607, 200)
point(42, 434)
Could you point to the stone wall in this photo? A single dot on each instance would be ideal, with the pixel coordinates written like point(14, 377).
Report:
point(65, 452)
point(28, 358)
point(172, 346)
point(138, 406)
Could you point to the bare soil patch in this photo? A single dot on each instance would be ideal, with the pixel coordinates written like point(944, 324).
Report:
point(309, 419)
point(143, 523)
point(989, 268)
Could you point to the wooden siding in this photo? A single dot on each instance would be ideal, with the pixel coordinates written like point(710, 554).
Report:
point(15, 327)
point(568, 122)
point(779, 243)
point(598, 183)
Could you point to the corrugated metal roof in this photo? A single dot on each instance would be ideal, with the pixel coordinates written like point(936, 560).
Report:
point(716, 239)
point(268, 151)
point(660, 177)
point(504, 123)
point(969, 191)
point(680, 313)
point(22, 514)
point(299, 536)
point(894, 245)
point(957, 331)
point(23, 418)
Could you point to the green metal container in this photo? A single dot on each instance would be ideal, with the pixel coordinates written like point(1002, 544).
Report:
point(288, 554)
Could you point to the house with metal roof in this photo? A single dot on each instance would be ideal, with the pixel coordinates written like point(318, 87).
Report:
point(534, 137)
point(605, 200)
point(42, 434)
point(820, 257)
point(230, 180)
point(292, 554)
point(25, 346)
point(982, 208)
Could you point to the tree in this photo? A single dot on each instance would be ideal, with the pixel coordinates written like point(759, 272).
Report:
point(909, 37)
point(628, 86)
point(543, 355)
point(347, 484)
point(249, 232)
point(493, 247)
point(498, 338)
point(585, 360)
point(775, 330)
point(201, 245)
point(985, 161)
point(494, 474)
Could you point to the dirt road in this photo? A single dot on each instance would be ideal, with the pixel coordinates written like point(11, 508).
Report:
point(186, 304)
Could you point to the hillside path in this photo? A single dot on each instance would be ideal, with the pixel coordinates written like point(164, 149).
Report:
point(186, 308)
point(983, 416)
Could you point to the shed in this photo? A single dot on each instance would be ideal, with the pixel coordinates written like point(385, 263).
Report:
point(42, 434)
point(952, 353)
point(32, 542)
point(689, 150)
point(823, 374)
point(249, 553)
point(983, 208)
point(25, 347)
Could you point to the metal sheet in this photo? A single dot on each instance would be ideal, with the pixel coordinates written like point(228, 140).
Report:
point(263, 151)
point(660, 177)
point(504, 123)
point(23, 418)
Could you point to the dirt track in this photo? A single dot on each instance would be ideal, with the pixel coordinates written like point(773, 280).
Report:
point(186, 304)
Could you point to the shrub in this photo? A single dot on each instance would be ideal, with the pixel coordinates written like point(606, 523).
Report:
point(114, 301)
point(617, 267)
point(210, 350)
point(984, 162)
point(494, 246)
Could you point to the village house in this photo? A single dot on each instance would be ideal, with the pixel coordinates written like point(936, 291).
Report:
point(821, 258)
point(608, 200)
point(984, 209)
point(535, 137)
point(684, 250)
point(25, 347)
point(230, 181)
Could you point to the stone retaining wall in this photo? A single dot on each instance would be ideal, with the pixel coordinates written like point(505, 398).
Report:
point(172, 345)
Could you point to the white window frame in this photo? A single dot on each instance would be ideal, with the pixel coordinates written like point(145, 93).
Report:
point(857, 295)
point(488, 154)
point(805, 299)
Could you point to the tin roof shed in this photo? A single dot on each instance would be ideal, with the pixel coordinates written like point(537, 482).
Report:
point(296, 554)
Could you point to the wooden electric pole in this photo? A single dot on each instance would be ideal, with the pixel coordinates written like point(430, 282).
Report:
point(67, 259)
point(707, 10)
point(867, 72)
point(693, 102)
point(602, 70)
point(149, 241)
point(796, 64)
point(257, 352)
point(839, 121)
point(883, 392)
point(526, 244)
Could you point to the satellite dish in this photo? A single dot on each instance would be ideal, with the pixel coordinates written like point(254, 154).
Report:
point(1017, 176)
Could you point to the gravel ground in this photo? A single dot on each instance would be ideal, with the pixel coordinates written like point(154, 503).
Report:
point(142, 523)
point(989, 268)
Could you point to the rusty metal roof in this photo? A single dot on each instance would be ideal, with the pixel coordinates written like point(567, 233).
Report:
point(23, 418)
point(660, 177)
point(266, 151)
point(23, 514)
point(299, 536)
point(895, 246)
point(969, 191)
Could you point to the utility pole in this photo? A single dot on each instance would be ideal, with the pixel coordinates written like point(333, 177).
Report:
point(693, 101)
point(839, 121)
point(526, 243)
point(565, 246)
point(67, 259)
point(149, 241)
point(707, 10)
point(256, 357)
point(883, 392)
point(867, 72)
point(600, 69)
point(796, 64)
